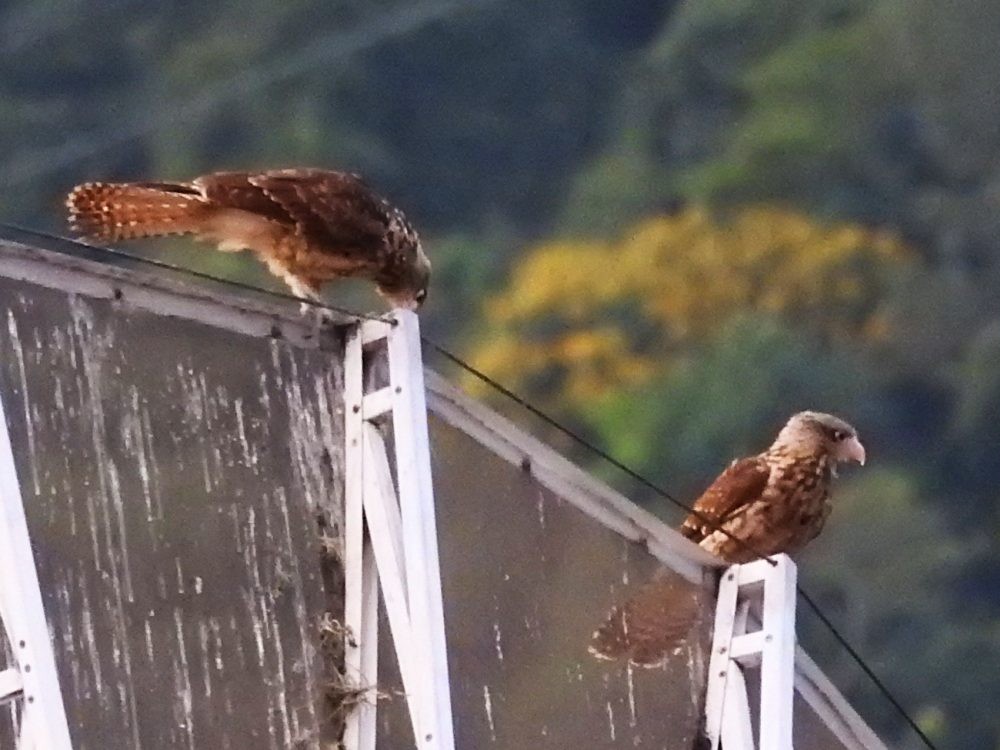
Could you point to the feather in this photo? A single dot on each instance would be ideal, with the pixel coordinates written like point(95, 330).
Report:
point(649, 625)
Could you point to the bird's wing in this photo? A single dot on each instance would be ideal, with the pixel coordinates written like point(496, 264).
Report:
point(236, 190)
point(333, 210)
point(647, 627)
point(736, 488)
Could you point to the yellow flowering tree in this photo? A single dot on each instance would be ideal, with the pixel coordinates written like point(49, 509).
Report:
point(578, 318)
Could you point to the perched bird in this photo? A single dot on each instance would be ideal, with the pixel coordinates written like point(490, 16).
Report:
point(774, 502)
point(308, 225)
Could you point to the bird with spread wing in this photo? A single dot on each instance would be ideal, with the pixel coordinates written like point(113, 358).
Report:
point(771, 503)
point(308, 226)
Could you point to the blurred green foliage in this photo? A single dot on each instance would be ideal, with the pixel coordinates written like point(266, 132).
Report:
point(505, 127)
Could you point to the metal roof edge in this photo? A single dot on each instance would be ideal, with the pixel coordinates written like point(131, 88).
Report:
point(562, 476)
point(72, 267)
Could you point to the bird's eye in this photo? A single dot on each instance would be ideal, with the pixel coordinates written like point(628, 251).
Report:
point(421, 296)
point(839, 435)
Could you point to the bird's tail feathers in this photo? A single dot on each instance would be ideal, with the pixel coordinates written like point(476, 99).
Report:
point(121, 211)
point(652, 625)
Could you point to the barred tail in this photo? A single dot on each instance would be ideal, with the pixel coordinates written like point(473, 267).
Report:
point(652, 624)
point(110, 212)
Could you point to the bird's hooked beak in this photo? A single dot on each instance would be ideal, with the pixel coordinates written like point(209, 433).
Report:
point(852, 450)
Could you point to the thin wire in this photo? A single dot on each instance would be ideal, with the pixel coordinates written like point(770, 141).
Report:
point(876, 680)
point(582, 441)
point(155, 263)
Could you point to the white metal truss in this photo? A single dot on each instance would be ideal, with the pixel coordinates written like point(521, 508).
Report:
point(764, 593)
point(31, 679)
point(390, 534)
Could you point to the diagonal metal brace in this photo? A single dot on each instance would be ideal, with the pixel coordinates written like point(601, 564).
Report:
point(390, 537)
point(751, 594)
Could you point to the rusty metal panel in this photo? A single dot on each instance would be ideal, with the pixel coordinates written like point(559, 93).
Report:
point(527, 577)
point(177, 479)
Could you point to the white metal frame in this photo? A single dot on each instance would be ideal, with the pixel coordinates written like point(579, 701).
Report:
point(391, 542)
point(762, 592)
point(33, 679)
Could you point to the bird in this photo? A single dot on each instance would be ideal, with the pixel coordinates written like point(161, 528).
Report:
point(771, 503)
point(308, 226)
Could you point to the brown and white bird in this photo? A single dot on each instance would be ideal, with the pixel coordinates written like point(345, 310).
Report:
point(308, 225)
point(774, 502)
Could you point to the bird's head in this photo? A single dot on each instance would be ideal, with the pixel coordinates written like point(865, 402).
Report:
point(818, 433)
point(404, 281)
point(406, 287)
